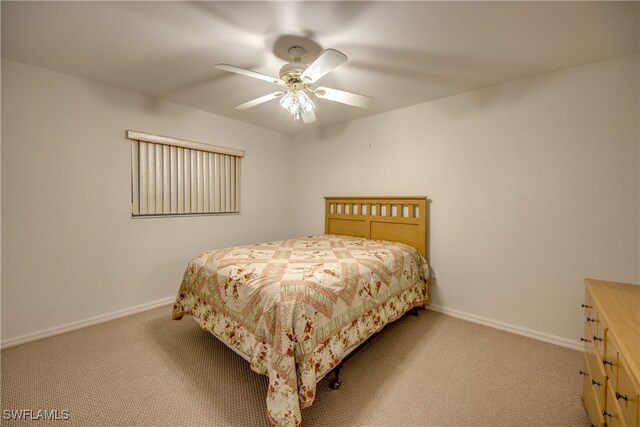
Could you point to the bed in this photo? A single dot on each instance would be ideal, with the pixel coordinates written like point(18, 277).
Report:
point(294, 309)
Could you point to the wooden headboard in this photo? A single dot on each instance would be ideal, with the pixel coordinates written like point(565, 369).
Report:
point(396, 219)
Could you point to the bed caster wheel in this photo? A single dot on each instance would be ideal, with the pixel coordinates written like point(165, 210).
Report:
point(334, 385)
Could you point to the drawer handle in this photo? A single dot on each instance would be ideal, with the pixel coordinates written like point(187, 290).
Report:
point(590, 319)
point(584, 339)
point(606, 414)
point(595, 338)
point(607, 362)
point(621, 396)
point(594, 382)
point(585, 306)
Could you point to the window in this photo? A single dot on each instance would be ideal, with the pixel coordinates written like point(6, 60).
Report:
point(175, 177)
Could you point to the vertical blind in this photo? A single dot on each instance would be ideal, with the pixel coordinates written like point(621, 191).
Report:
point(177, 177)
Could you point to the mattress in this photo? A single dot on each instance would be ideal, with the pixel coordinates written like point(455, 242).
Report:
point(295, 308)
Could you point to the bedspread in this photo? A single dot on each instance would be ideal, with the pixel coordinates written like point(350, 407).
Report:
point(295, 308)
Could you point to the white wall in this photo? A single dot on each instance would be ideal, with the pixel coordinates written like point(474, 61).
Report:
point(70, 248)
point(534, 184)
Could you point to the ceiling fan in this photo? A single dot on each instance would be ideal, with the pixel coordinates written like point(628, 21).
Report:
point(297, 79)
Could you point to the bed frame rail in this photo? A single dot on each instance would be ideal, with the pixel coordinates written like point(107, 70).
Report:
point(396, 219)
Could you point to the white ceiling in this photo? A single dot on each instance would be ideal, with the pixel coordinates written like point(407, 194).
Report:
point(401, 53)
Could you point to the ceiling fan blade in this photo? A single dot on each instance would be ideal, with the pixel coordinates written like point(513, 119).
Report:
point(327, 61)
point(349, 98)
point(309, 117)
point(249, 73)
point(259, 101)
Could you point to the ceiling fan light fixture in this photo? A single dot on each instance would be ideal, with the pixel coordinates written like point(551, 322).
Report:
point(287, 100)
point(306, 104)
point(297, 102)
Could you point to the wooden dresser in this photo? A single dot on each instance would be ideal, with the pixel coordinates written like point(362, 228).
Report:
point(611, 372)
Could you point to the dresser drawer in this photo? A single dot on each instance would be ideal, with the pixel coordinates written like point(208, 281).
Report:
point(610, 360)
point(613, 416)
point(588, 304)
point(587, 339)
point(598, 330)
point(591, 317)
point(626, 393)
point(595, 370)
point(590, 398)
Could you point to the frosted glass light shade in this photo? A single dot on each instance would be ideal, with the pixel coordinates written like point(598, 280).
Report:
point(297, 102)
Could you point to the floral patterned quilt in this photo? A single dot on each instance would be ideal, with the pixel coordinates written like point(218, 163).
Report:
point(295, 308)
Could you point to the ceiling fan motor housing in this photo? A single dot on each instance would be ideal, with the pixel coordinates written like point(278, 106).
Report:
point(291, 72)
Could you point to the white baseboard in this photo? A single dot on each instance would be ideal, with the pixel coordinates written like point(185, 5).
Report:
point(575, 345)
point(553, 339)
point(84, 323)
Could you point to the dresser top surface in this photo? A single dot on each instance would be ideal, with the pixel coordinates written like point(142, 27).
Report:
point(619, 304)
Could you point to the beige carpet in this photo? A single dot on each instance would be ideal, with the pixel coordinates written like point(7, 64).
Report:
point(433, 370)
